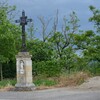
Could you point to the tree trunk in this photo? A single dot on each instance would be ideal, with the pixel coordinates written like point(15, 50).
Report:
point(1, 73)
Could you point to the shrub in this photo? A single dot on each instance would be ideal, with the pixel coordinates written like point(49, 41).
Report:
point(46, 68)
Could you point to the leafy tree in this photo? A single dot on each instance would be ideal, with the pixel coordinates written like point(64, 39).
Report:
point(9, 36)
point(89, 45)
point(63, 40)
point(40, 51)
point(95, 18)
point(96, 41)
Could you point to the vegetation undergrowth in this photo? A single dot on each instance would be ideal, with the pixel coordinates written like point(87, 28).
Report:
point(64, 80)
point(7, 83)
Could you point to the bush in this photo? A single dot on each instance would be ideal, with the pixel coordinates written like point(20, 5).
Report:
point(46, 68)
point(9, 70)
point(94, 67)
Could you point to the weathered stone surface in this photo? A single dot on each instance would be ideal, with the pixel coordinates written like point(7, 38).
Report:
point(23, 55)
point(24, 72)
point(24, 87)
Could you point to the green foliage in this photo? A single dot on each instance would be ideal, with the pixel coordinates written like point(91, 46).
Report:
point(9, 70)
point(7, 83)
point(95, 18)
point(89, 44)
point(9, 37)
point(47, 68)
point(45, 82)
point(40, 51)
point(9, 34)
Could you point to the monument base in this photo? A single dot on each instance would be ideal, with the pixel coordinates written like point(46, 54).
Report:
point(19, 87)
point(24, 72)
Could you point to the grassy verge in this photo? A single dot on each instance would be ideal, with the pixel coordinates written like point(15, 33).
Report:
point(7, 83)
point(63, 80)
point(45, 82)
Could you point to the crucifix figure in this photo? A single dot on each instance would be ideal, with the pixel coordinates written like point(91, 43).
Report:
point(23, 21)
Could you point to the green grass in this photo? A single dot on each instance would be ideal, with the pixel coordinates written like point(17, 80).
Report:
point(45, 82)
point(7, 82)
point(37, 82)
point(75, 78)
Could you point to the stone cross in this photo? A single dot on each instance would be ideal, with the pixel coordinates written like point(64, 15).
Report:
point(23, 21)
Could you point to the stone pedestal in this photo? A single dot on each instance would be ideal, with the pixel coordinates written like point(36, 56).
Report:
point(24, 72)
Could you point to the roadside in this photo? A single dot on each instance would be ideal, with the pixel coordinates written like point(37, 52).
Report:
point(90, 84)
point(51, 94)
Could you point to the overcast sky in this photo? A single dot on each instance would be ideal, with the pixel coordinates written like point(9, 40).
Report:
point(48, 8)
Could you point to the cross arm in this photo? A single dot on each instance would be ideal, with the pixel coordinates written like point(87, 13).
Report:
point(17, 21)
point(29, 20)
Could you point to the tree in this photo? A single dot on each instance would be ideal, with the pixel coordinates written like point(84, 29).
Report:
point(31, 31)
point(63, 40)
point(89, 45)
point(96, 50)
point(41, 54)
point(95, 18)
point(9, 36)
point(44, 28)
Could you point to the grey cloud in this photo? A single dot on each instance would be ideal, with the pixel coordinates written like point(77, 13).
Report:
point(48, 8)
